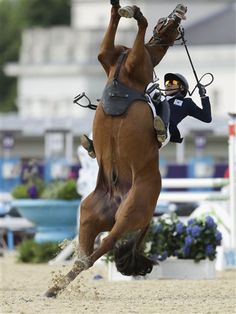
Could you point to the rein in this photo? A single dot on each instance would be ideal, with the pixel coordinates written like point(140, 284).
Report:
point(211, 76)
point(192, 66)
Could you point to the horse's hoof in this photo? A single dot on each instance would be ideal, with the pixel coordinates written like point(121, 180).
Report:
point(126, 12)
point(88, 145)
point(51, 293)
point(115, 2)
point(180, 11)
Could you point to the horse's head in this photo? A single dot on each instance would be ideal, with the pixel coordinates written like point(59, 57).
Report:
point(167, 29)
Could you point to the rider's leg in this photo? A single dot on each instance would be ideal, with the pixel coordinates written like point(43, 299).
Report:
point(161, 121)
point(88, 145)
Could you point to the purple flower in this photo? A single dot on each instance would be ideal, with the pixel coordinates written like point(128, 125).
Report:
point(196, 231)
point(189, 229)
point(179, 228)
point(191, 221)
point(33, 192)
point(218, 236)
point(186, 249)
point(210, 222)
point(188, 240)
point(209, 249)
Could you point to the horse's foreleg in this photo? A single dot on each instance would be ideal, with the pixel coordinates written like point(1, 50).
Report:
point(137, 53)
point(109, 37)
point(107, 47)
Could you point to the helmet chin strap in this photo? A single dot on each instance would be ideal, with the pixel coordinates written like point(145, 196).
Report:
point(173, 91)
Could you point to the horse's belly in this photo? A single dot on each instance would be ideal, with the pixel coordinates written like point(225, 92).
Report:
point(127, 141)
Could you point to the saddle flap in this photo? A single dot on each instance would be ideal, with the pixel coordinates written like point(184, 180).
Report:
point(117, 97)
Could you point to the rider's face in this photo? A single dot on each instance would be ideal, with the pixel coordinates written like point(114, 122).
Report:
point(172, 87)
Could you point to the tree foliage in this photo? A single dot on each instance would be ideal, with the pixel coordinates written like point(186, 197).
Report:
point(15, 16)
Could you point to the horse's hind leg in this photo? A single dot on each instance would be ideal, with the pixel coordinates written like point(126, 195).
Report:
point(92, 222)
point(132, 215)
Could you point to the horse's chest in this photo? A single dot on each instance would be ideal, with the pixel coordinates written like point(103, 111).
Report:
point(117, 97)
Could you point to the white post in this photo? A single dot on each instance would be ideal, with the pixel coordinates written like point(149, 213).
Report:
point(232, 177)
point(69, 146)
point(180, 153)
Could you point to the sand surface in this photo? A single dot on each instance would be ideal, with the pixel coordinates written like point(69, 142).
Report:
point(22, 287)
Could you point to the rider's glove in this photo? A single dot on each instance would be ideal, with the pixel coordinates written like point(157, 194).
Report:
point(156, 97)
point(202, 90)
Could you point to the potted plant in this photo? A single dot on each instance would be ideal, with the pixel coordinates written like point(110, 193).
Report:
point(184, 250)
point(181, 250)
point(51, 207)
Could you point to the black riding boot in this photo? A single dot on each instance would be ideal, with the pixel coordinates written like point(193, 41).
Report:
point(88, 145)
point(161, 121)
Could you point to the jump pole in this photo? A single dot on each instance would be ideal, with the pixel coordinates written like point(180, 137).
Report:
point(232, 177)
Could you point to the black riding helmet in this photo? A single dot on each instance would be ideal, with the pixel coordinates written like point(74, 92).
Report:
point(178, 77)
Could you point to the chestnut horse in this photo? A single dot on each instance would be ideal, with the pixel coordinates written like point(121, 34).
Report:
point(129, 181)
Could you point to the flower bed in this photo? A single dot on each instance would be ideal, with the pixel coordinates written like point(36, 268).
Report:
point(195, 240)
point(183, 251)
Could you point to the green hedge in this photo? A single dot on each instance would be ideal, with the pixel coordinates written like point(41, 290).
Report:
point(32, 252)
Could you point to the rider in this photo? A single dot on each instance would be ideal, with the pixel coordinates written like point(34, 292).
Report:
point(176, 88)
point(171, 113)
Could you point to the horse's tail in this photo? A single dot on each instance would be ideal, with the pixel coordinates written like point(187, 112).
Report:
point(130, 259)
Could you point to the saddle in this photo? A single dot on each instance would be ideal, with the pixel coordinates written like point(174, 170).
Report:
point(117, 97)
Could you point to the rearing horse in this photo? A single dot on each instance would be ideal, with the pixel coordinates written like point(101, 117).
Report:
point(129, 181)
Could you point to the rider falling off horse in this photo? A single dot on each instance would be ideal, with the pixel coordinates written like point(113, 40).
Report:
point(169, 110)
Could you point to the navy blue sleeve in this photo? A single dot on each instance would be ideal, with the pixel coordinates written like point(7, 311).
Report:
point(202, 114)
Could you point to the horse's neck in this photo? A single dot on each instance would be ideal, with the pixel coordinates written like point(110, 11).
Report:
point(157, 53)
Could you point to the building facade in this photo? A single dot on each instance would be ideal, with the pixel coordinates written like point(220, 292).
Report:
point(58, 63)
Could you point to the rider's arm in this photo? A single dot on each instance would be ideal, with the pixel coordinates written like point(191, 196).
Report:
point(204, 113)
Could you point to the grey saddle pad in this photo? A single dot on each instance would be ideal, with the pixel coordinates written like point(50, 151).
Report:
point(117, 97)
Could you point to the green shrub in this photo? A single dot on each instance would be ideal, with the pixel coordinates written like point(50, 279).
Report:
point(68, 191)
point(20, 191)
point(65, 190)
point(57, 190)
point(32, 252)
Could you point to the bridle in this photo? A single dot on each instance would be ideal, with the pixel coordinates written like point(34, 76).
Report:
point(176, 18)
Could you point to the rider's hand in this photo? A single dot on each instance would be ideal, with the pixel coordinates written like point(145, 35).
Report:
point(156, 97)
point(202, 90)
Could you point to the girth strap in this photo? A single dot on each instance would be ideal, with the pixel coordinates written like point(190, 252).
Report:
point(120, 60)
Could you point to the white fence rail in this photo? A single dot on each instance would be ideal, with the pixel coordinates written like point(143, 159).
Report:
point(193, 196)
point(194, 183)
